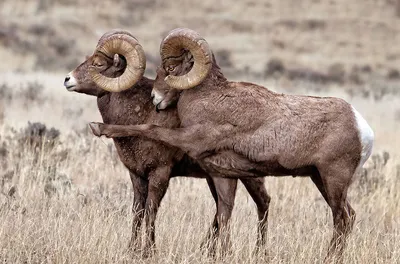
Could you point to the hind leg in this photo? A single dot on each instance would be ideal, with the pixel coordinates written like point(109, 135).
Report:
point(140, 186)
point(209, 240)
point(333, 184)
point(257, 191)
point(226, 190)
point(316, 178)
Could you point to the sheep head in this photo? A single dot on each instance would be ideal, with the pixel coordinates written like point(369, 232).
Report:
point(163, 95)
point(117, 63)
point(186, 62)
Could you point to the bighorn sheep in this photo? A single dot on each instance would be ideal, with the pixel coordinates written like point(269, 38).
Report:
point(239, 129)
point(114, 74)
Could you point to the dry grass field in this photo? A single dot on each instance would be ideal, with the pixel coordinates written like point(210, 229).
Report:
point(64, 195)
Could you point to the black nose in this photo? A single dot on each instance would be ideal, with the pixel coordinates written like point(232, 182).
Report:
point(67, 79)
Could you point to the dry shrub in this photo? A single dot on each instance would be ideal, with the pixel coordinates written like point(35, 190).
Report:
point(397, 115)
point(1, 111)
point(57, 184)
point(223, 58)
point(336, 73)
point(35, 154)
point(31, 92)
point(74, 112)
point(308, 75)
point(52, 48)
point(8, 35)
point(313, 24)
point(238, 27)
point(355, 75)
point(304, 25)
point(30, 141)
point(27, 94)
point(36, 134)
point(393, 74)
point(373, 174)
point(398, 8)
point(278, 43)
point(274, 67)
point(5, 93)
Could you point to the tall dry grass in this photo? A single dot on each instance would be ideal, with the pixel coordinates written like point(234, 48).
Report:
point(68, 200)
point(74, 207)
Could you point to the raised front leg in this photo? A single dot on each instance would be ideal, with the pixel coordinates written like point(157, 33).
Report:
point(196, 140)
point(158, 184)
point(139, 200)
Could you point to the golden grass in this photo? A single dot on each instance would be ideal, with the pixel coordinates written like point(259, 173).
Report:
point(84, 216)
point(72, 203)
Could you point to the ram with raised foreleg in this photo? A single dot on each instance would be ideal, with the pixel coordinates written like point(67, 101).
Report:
point(239, 129)
point(114, 74)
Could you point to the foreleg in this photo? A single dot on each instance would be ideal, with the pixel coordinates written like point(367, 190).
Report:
point(139, 200)
point(195, 140)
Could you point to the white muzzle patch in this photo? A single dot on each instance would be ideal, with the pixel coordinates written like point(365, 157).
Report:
point(157, 97)
point(70, 82)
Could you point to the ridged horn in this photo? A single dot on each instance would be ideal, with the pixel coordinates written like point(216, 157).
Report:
point(122, 43)
point(173, 45)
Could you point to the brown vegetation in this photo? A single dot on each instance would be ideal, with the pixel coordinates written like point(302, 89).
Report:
point(88, 221)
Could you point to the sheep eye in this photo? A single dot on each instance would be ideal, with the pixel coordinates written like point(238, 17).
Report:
point(97, 63)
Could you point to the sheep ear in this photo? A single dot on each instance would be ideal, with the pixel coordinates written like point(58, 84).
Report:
point(189, 56)
point(117, 60)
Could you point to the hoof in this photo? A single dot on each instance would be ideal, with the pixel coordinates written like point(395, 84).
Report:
point(95, 127)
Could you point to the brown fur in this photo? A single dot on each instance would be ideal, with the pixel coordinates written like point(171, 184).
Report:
point(151, 163)
point(237, 129)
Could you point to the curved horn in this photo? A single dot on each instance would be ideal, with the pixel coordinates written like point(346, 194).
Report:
point(112, 32)
point(123, 43)
point(174, 44)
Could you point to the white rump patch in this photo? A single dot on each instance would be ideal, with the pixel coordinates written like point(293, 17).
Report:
point(366, 137)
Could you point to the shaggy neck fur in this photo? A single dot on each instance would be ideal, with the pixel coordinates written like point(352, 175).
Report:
point(215, 77)
point(131, 106)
